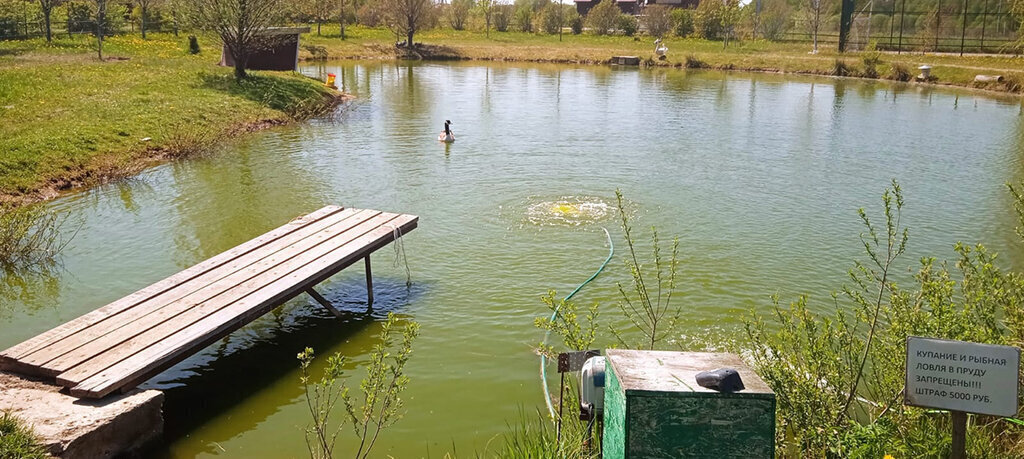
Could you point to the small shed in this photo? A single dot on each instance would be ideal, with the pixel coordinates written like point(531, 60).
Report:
point(281, 54)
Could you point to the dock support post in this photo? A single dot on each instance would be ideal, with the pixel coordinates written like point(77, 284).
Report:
point(323, 302)
point(369, 282)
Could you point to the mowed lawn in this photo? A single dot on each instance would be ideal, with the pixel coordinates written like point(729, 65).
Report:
point(67, 117)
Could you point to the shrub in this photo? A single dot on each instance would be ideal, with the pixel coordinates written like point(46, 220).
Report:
point(458, 12)
point(29, 236)
point(502, 16)
point(551, 20)
point(900, 72)
point(707, 19)
point(602, 18)
point(871, 58)
point(370, 14)
point(841, 68)
point(576, 23)
point(657, 20)
point(18, 441)
point(627, 23)
point(694, 63)
point(774, 20)
point(839, 376)
point(193, 45)
point(682, 22)
point(523, 19)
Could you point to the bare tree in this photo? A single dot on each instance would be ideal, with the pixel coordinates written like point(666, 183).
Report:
point(101, 25)
point(405, 17)
point(458, 12)
point(241, 25)
point(815, 20)
point(144, 6)
point(47, 7)
point(657, 20)
point(486, 8)
point(320, 10)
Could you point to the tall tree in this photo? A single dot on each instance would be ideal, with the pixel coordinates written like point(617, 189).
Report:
point(144, 9)
point(341, 16)
point(405, 17)
point(101, 25)
point(320, 11)
point(658, 20)
point(817, 6)
point(458, 12)
point(47, 7)
point(486, 8)
point(241, 25)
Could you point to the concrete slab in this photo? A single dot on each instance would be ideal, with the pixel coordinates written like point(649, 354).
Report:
point(76, 428)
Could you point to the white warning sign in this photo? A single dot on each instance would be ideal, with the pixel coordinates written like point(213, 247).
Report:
point(962, 376)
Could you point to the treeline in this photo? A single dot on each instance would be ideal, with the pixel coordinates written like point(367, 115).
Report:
point(928, 23)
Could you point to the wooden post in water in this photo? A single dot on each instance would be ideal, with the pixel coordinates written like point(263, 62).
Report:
point(369, 282)
point(959, 447)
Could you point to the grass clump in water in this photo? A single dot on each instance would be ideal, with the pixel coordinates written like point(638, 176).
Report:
point(17, 441)
point(29, 236)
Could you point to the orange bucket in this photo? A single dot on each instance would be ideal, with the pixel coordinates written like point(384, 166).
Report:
point(330, 81)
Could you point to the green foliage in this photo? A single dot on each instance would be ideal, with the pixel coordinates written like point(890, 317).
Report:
point(841, 68)
point(602, 18)
point(682, 22)
point(900, 72)
point(380, 404)
point(707, 19)
point(839, 376)
point(658, 20)
point(576, 23)
point(533, 437)
point(628, 24)
point(502, 17)
point(17, 441)
point(565, 323)
point(523, 18)
point(29, 236)
point(774, 20)
point(647, 303)
point(871, 58)
point(321, 397)
point(552, 18)
point(458, 12)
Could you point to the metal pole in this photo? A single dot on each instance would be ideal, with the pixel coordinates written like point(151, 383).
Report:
point(984, 19)
point(369, 282)
point(963, 31)
point(903, 14)
point(959, 446)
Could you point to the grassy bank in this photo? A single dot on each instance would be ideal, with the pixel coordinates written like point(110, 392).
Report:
point(68, 119)
point(756, 55)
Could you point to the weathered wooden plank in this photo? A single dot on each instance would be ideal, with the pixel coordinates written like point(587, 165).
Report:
point(61, 331)
point(160, 332)
point(79, 347)
point(161, 355)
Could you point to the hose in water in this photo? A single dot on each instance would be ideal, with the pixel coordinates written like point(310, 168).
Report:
point(554, 314)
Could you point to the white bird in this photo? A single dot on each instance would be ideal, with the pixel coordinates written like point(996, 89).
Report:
point(659, 48)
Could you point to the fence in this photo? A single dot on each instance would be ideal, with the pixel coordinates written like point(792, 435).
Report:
point(957, 26)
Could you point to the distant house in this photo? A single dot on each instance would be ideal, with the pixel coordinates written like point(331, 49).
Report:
point(634, 7)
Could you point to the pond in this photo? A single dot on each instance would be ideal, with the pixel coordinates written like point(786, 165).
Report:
point(760, 177)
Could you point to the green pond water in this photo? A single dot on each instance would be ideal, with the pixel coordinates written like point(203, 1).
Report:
point(760, 176)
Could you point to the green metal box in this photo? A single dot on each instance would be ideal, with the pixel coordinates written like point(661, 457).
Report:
point(653, 408)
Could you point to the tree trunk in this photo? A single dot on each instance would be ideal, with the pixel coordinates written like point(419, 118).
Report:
point(174, 16)
point(142, 21)
point(240, 67)
point(46, 17)
point(408, 39)
point(341, 20)
point(101, 17)
point(318, 27)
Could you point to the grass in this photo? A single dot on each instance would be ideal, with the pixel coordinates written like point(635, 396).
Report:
point(751, 55)
point(17, 441)
point(67, 118)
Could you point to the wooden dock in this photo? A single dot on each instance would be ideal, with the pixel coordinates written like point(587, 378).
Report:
point(124, 343)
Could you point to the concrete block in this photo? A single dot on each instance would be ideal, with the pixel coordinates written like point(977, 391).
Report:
point(75, 428)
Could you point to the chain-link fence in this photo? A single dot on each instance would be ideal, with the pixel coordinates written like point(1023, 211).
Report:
point(956, 26)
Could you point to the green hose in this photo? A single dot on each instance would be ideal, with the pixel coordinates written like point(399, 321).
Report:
point(554, 314)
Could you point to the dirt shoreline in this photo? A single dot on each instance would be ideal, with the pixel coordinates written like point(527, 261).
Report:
point(108, 171)
point(441, 53)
